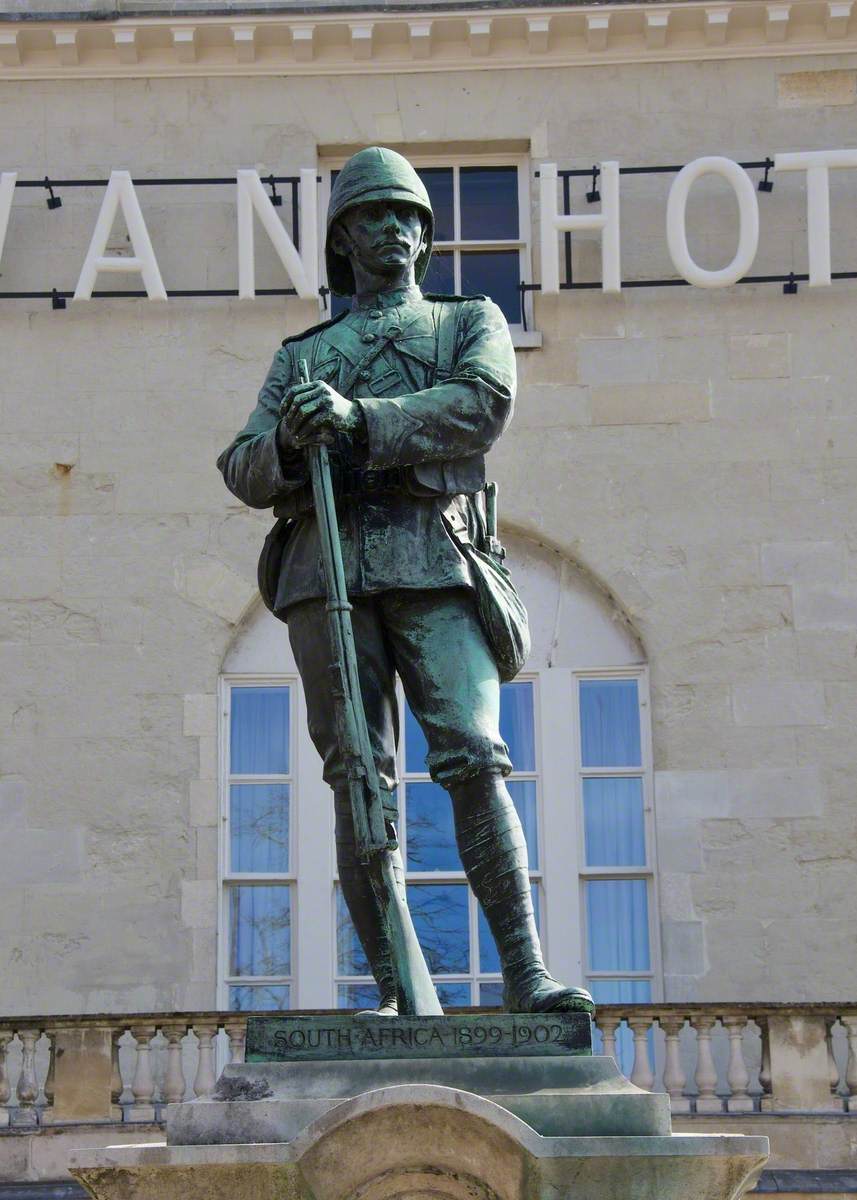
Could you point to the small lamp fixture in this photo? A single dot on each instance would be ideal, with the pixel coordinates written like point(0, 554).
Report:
point(276, 198)
point(52, 200)
point(766, 184)
point(593, 196)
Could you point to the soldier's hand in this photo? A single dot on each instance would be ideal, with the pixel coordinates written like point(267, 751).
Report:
point(313, 412)
point(285, 440)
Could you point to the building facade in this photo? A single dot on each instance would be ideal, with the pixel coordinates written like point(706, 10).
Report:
point(677, 496)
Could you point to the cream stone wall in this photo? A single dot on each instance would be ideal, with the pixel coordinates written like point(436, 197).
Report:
point(696, 454)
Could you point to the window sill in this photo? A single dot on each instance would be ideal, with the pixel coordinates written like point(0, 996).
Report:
point(529, 339)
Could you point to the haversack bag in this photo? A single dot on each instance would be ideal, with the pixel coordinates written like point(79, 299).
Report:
point(270, 560)
point(501, 610)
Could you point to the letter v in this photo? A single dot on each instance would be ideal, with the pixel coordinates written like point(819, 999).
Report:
point(7, 187)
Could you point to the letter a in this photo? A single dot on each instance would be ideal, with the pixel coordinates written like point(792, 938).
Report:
point(120, 194)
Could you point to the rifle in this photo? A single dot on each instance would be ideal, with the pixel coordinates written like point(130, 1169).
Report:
point(374, 844)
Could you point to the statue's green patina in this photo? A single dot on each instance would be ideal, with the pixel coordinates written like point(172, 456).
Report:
point(408, 391)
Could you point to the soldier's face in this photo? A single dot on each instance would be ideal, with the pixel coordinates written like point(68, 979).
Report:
point(384, 236)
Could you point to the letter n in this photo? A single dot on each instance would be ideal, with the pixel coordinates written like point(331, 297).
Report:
point(302, 268)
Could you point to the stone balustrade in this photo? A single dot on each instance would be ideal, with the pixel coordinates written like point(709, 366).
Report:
point(738, 1058)
point(709, 1058)
point(109, 1069)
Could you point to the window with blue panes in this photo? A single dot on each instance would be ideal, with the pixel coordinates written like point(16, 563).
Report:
point(616, 867)
point(607, 888)
point(258, 867)
point(481, 234)
point(452, 930)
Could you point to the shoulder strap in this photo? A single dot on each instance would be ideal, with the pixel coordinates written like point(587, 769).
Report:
point(446, 320)
point(297, 337)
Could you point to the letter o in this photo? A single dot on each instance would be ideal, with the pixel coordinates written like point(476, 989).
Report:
point(748, 222)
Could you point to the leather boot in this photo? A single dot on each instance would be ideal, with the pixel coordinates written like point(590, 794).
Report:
point(363, 905)
point(494, 856)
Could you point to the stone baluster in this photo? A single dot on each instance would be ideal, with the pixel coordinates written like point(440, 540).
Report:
point(832, 1068)
point(642, 1075)
point(203, 1084)
point(117, 1087)
point(850, 1024)
point(236, 1031)
point(174, 1080)
point(608, 1027)
point(765, 1068)
point(143, 1083)
point(737, 1075)
point(5, 1089)
point(674, 1076)
point(50, 1078)
point(706, 1073)
point(28, 1085)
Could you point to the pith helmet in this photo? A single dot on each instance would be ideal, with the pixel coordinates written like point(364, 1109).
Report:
point(374, 174)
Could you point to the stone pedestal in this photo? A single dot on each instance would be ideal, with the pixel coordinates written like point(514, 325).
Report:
point(83, 1078)
point(476, 1126)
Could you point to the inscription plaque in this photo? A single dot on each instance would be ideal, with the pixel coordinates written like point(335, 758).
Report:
point(322, 1037)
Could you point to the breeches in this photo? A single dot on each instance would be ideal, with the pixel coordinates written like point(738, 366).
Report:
point(433, 641)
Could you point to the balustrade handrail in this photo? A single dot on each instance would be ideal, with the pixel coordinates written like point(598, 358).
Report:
point(221, 1016)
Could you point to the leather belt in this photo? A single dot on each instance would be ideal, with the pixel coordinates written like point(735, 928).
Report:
point(353, 482)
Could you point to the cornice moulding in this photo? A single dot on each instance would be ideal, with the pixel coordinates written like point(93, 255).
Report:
point(357, 40)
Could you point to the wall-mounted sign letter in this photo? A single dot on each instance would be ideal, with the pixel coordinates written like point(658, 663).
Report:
point(748, 222)
point(7, 188)
point(302, 268)
point(120, 194)
point(605, 222)
point(817, 164)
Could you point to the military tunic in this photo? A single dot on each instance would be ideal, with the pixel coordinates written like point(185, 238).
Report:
point(433, 420)
point(435, 380)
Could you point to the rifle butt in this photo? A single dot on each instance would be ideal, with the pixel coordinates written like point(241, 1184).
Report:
point(416, 989)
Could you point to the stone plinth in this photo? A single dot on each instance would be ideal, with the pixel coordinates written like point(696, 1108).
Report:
point(424, 1140)
point(457, 1128)
point(556, 1097)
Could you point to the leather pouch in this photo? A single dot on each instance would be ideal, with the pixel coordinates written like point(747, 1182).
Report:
point(501, 610)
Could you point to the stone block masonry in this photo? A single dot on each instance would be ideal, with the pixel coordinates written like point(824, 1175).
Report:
point(693, 453)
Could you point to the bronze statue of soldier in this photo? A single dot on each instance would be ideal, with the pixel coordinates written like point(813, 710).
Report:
point(408, 391)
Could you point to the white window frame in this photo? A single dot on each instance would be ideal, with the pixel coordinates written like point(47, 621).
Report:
point(648, 872)
point(522, 338)
point(561, 874)
point(311, 850)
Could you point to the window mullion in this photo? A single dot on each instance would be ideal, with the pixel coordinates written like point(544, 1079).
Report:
point(561, 919)
point(224, 858)
point(456, 226)
point(313, 919)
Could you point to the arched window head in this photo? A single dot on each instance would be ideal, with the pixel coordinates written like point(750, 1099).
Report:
point(577, 724)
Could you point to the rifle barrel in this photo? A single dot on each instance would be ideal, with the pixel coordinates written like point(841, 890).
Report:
point(416, 989)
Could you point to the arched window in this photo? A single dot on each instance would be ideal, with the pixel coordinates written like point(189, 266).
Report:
point(577, 723)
